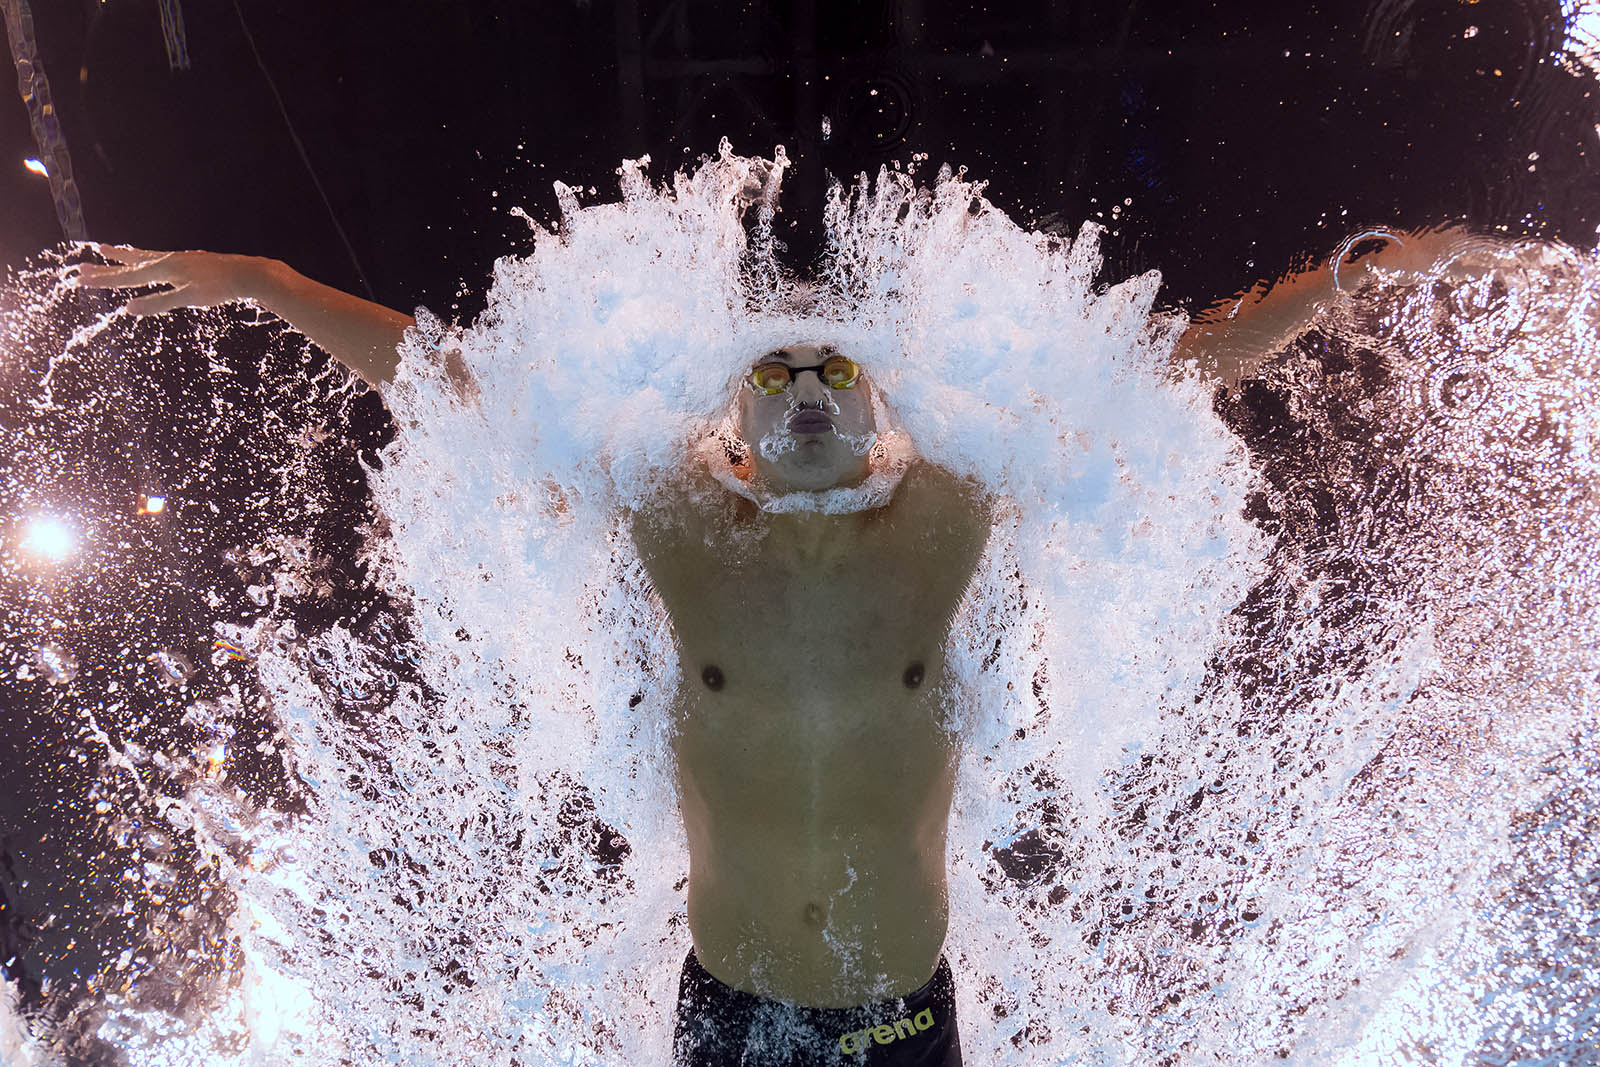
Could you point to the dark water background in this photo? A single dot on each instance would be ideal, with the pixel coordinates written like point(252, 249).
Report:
point(1245, 134)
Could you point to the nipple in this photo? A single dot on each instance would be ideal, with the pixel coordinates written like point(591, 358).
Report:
point(913, 675)
point(712, 676)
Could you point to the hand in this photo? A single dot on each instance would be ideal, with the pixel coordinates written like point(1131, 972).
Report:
point(361, 335)
point(198, 279)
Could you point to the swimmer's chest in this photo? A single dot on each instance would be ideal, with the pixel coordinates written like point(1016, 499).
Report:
point(835, 645)
point(768, 625)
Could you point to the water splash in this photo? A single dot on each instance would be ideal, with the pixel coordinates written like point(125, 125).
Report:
point(1275, 710)
point(1581, 47)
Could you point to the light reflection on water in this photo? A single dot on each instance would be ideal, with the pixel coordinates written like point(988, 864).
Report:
point(1278, 711)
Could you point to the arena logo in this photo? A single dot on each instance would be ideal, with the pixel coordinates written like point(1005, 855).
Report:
point(884, 1033)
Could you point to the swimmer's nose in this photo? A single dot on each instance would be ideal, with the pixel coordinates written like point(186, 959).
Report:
point(810, 392)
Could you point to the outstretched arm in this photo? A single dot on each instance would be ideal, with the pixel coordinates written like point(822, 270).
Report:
point(361, 335)
point(358, 333)
point(1229, 339)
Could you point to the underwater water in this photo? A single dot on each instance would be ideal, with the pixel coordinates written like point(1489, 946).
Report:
point(1274, 703)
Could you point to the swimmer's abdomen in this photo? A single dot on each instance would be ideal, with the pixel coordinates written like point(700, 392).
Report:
point(817, 843)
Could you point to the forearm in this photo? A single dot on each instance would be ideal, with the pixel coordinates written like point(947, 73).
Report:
point(358, 333)
point(1229, 339)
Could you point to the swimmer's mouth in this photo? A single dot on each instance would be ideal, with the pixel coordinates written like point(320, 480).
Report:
point(810, 422)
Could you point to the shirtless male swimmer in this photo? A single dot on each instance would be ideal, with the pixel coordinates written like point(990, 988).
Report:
point(838, 935)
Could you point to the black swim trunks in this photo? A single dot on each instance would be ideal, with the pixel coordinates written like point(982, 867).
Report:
point(719, 1026)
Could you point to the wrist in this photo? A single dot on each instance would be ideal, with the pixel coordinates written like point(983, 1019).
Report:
point(270, 282)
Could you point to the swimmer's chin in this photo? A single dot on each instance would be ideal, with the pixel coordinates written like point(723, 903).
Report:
point(810, 471)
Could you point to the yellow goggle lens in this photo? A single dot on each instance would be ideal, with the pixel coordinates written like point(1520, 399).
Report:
point(770, 378)
point(839, 372)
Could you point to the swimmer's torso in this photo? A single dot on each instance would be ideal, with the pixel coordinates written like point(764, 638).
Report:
point(815, 777)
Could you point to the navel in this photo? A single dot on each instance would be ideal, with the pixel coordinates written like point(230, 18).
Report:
point(814, 914)
point(711, 674)
point(913, 675)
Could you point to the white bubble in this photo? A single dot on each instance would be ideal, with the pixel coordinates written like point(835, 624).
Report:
point(57, 664)
point(172, 667)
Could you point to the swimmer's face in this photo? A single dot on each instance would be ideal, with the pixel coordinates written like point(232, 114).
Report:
point(809, 434)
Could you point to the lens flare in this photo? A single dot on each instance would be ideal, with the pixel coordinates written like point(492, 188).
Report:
point(49, 539)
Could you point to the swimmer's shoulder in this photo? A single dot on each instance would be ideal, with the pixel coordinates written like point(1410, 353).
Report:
point(957, 511)
point(683, 513)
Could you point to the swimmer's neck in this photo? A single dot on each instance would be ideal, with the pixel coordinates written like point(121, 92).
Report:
point(803, 538)
point(808, 533)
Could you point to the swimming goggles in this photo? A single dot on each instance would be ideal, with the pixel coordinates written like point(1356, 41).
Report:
point(837, 372)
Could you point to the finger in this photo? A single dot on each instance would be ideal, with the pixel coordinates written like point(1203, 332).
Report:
point(93, 274)
point(158, 303)
point(129, 254)
point(125, 277)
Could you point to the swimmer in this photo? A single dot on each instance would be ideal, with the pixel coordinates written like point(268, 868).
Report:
point(815, 777)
